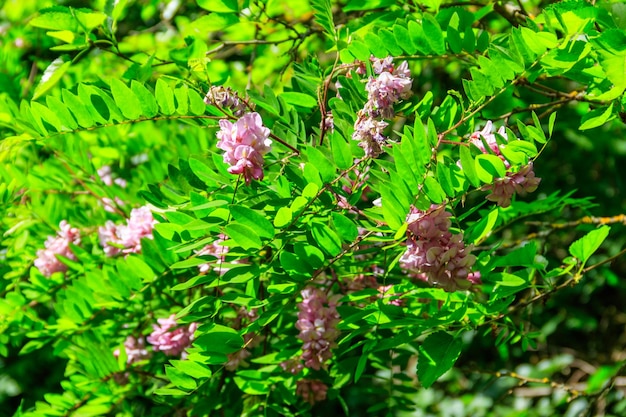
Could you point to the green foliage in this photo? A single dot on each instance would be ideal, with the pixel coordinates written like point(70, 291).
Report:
point(110, 114)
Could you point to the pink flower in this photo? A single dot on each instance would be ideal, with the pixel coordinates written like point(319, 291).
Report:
point(311, 390)
point(245, 142)
point(488, 136)
point(381, 65)
point(47, 261)
point(170, 338)
point(433, 253)
point(126, 238)
point(135, 350)
point(317, 322)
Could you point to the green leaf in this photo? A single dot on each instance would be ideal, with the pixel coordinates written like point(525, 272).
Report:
point(196, 103)
point(551, 123)
point(437, 354)
point(390, 42)
point(454, 40)
point(489, 167)
point(63, 113)
point(284, 216)
point(243, 236)
point(147, 102)
point(403, 38)
point(484, 227)
point(418, 37)
point(309, 254)
point(376, 45)
point(188, 263)
point(55, 18)
point(182, 99)
point(321, 163)
point(507, 284)
point(194, 369)
point(324, 16)
point(394, 213)
point(180, 379)
point(584, 247)
point(468, 164)
point(357, 5)
point(601, 377)
point(219, 6)
point(299, 99)
point(434, 35)
point(99, 104)
point(78, 109)
point(341, 151)
point(253, 220)
point(597, 117)
point(51, 76)
point(218, 339)
point(292, 264)
point(128, 102)
point(257, 385)
point(46, 114)
point(345, 227)
point(326, 238)
point(433, 190)
point(165, 97)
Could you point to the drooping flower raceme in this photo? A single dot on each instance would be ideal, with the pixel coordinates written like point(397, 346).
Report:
point(245, 142)
point(434, 254)
point(521, 181)
point(170, 338)
point(312, 390)
point(386, 90)
point(116, 239)
point(317, 322)
point(47, 261)
point(389, 87)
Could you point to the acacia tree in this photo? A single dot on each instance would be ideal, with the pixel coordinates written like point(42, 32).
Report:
point(236, 208)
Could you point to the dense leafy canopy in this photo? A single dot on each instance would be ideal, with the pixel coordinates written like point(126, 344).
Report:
point(230, 207)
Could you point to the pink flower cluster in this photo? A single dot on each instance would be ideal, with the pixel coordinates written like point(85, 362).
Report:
point(47, 261)
point(502, 189)
point(317, 322)
point(116, 239)
point(170, 338)
point(520, 182)
point(135, 350)
point(226, 98)
point(392, 85)
point(245, 142)
point(312, 390)
point(434, 254)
